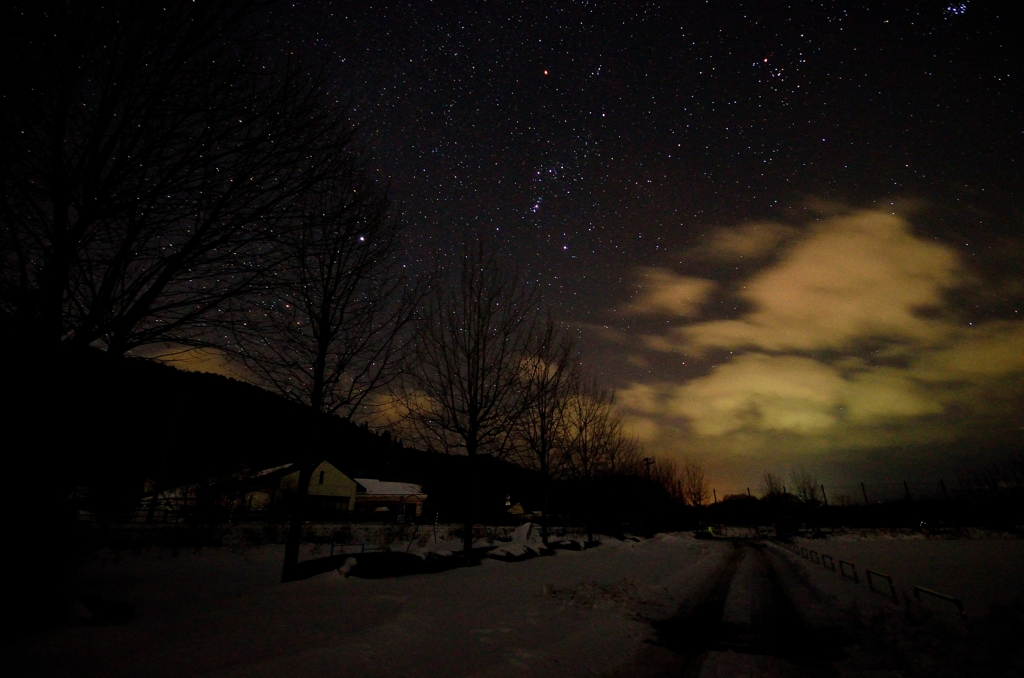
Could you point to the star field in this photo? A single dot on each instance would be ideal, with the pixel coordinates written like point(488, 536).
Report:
point(592, 139)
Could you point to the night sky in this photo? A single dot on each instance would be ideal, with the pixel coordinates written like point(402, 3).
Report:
point(786, 233)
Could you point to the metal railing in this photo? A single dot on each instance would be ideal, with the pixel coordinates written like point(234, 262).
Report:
point(848, 570)
point(918, 590)
point(853, 569)
point(892, 589)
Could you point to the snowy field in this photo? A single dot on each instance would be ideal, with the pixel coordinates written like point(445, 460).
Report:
point(223, 613)
point(978, 572)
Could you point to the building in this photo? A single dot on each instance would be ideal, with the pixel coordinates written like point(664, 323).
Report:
point(330, 490)
point(269, 495)
point(400, 500)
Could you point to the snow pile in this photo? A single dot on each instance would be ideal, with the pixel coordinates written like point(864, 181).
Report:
point(667, 538)
point(526, 542)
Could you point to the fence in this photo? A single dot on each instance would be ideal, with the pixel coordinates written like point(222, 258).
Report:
point(881, 493)
point(848, 571)
point(221, 511)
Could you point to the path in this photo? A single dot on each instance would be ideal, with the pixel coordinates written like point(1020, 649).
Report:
point(744, 623)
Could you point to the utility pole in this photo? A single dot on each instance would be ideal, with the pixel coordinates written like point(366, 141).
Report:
point(865, 492)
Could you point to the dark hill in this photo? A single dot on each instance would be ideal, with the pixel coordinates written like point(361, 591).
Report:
point(108, 425)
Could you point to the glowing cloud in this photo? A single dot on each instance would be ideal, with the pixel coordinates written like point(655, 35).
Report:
point(667, 293)
point(857, 276)
point(750, 241)
point(849, 343)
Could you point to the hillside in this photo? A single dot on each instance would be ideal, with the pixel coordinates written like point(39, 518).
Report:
point(108, 425)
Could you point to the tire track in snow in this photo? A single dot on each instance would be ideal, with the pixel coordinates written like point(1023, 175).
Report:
point(742, 624)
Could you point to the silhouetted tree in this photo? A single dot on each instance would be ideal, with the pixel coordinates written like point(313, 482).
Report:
point(150, 153)
point(695, 485)
point(326, 329)
point(594, 438)
point(550, 376)
point(466, 390)
point(772, 486)
point(805, 486)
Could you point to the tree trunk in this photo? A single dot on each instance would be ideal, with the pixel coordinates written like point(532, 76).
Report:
point(467, 536)
point(544, 500)
point(291, 548)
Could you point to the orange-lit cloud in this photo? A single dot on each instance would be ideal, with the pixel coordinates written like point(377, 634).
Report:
point(857, 276)
point(751, 241)
point(849, 343)
point(663, 292)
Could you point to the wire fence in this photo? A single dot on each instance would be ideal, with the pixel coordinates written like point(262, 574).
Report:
point(880, 493)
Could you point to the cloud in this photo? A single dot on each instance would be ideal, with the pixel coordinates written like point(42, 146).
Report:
point(666, 293)
point(882, 394)
point(765, 393)
point(857, 276)
point(750, 241)
point(761, 392)
point(993, 349)
point(848, 343)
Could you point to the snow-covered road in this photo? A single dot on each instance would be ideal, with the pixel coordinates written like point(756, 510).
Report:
point(667, 606)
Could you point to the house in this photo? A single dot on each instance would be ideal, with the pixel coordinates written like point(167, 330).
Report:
point(330, 490)
point(399, 500)
point(268, 495)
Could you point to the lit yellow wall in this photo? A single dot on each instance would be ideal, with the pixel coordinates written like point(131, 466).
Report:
point(336, 483)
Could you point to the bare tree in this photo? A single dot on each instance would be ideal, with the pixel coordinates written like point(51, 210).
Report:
point(695, 484)
point(467, 388)
point(625, 456)
point(805, 486)
point(590, 429)
point(150, 152)
point(327, 330)
point(549, 379)
point(667, 473)
point(772, 486)
point(594, 438)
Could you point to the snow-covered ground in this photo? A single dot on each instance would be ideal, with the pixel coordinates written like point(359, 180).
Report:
point(907, 637)
point(978, 572)
point(223, 613)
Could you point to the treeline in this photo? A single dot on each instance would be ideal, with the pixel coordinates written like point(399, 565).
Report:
point(988, 493)
point(179, 175)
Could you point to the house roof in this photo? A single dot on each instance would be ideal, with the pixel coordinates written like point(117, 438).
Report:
point(267, 471)
point(374, 486)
